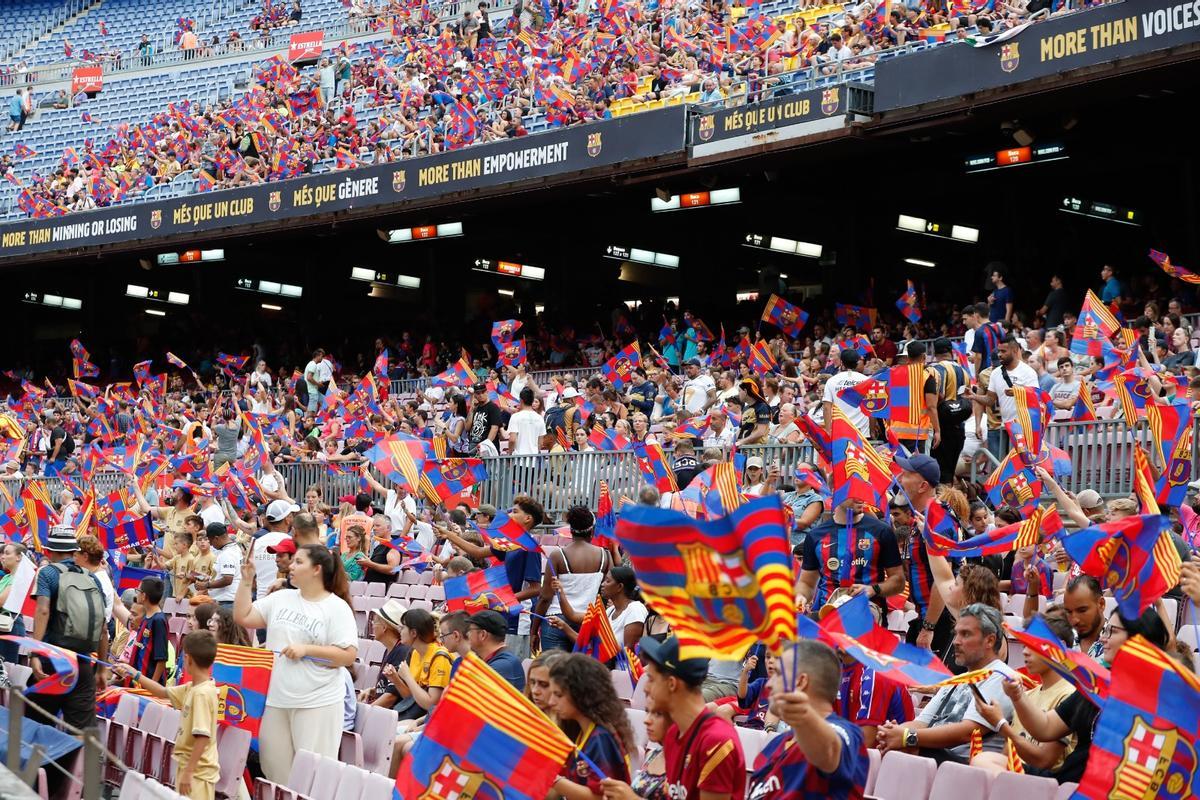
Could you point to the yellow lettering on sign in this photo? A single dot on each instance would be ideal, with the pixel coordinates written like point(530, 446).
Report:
point(1062, 45)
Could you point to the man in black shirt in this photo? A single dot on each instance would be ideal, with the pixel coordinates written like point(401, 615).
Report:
point(685, 464)
point(61, 447)
point(1055, 302)
point(756, 414)
point(485, 420)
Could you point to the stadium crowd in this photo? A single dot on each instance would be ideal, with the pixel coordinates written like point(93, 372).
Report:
point(151, 526)
point(442, 85)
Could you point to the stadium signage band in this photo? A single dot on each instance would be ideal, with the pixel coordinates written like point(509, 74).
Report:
point(1074, 41)
point(512, 161)
point(779, 112)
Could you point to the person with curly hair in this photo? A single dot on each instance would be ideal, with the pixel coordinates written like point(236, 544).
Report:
point(589, 712)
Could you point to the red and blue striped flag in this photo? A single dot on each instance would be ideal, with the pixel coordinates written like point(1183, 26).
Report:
point(449, 477)
point(1144, 741)
point(1134, 557)
point(1089, 677)
point(997, 541)
point(485, 740)
point(859, 317)
point(1026, 429)
point(64, 665)
point(618, 369)
point(909, 305)
point(860, 472)
point(1164, 262)
point(1094, 328)
point(243, 675)
point(596, 637)
point(400, 459)
point(481, 590)
point(1171, 435)
point(787, 317)
point(653, 464)
point(723, 584)
point(505, 533)
point(130, 577)
point(1013, 484)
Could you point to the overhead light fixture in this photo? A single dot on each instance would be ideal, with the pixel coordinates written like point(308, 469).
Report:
point(781, 244)
point(506, 292)
point(964, 233)
point(272, 307)
point(642, 256)
point(422, 233)
point(940, 230)
point(52, 300)
point(154, 312)
point(189, 257)
point(674, 301)
point(743, 297)
point(717, 197)
point(374, 276)
point(158, 295)
point(632, 305)
point(408, 282)
point(919, 262)
point(509, 268)
point(270, 287)
point(538, 308)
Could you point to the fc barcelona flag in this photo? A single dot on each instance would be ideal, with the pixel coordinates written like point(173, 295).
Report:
point(512, 354)
point(997, 541)
point(1095, 327)
point(860, 472)
point(64, 665)
point(1088, 677)
point(1171, 432)
point(909, 305)
point(760, 358)
point(783, 315)
point(481, 590)
point(1013, 485)
point(723, 584)
point(851, 627)
point(484, 740)
point(1134, 557)
point(448, 477)
point(1085, 406)
point(1144, 742)
point(596, 637)
point(243, 675)
point(856, 316)
point(504, 331)
point(1143, 482)
point(619, 368)
point(507, 534)
point(401, 459)
point(1164, 262)
point(1025, 430)
point(653, 464)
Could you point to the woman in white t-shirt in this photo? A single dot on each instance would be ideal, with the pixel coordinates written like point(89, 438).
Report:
point(311, 629)
point(626, 613)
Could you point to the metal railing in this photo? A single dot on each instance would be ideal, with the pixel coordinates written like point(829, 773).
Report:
point(540, 376)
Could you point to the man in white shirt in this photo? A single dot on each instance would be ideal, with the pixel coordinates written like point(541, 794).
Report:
point(1012, 372)
point(223, 588)
point(699, 392)
point(279, 521)
point(399, 507)
point(317, 376)
point(210, 511)
point(525, 428)
point(720, 433)
point(849, 376)
point(1065, 391)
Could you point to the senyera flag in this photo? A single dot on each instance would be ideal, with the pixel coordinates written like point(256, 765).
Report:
point(481, 590)
point(484, 740)
point(851, 627)
point(1133, 556)
point(1144, 741)
point(64, 666)
point(1089, 677)
point(723, 584)
point(243, 675)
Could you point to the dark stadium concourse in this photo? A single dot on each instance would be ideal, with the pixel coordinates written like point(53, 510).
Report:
point(1099, 174)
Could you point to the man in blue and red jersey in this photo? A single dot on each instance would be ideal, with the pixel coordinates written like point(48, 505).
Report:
point(702, 751)
point(823, 755)
point(149, 655)
point(851, 550)
point(933, 627)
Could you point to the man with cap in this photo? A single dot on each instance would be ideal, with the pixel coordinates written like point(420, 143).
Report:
point(945, 383)
point(703, 753)
point(64, 626)
point(850, 549)
point(486, 421)
point(849, 376)
point(824, 755)
point(223, 588)
point(933, 627)
point(699, 391)
point(385, 627)
point(283, 552)
point(486, 632)
point(756, 414)
point(279, 518)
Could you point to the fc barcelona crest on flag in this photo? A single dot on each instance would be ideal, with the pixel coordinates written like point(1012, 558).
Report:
point(398, 181)
point(274, 201)
point(1157, 762)
point(451, 782)
point(1010, 56)
point(830, 100)
point(594, 144)
point(156, 218)
point(707, 127)
point(876, 399)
